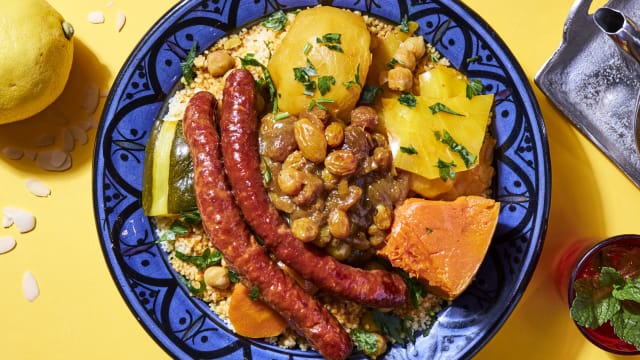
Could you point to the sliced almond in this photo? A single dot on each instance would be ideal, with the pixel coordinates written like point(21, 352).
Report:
point(68, 142)
point(30, 287)
point(45, 140)
point(37, 187)
point(96, 17)
point(91, 98)
point(54, 160)
point(122, 19)
point(24, 220)
point(7, 243)
point(6, 221)
point(79, 134)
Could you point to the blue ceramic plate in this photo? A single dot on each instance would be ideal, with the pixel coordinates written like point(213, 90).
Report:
point(183, 325)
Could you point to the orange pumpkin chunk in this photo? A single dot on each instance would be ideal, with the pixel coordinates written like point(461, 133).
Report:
point(442, 243)
point(253, 318)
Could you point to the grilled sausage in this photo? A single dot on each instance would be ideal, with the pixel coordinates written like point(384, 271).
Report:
point(223, 222)
point(239, 136)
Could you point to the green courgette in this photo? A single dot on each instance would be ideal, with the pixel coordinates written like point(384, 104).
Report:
point(167, 181)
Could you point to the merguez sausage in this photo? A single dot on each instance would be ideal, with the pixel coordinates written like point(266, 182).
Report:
point(223, 222)
point(239, 136)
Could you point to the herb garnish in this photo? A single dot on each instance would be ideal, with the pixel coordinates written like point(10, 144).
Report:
point(306, 48)
point(331, 41)
point(446, 170)
point(324, 83)
point(275, 21)
point(474, 88)
point(392, 63)
point(208, 258)
point(280, 116)
point(192, 289)
point(303, 75)
point(445, 138)
point(428, 230)
point(176, 228)
point(473, 59)
point(233, 276)
point(409, 150)
point(365, 341)
point(416, 289)
point(356, 80)
point(404, 24)
point(440, 107)
point(613, 298)
point(392, 325)
point(408, 99)
point(253, 295)
point(187, 65)
point(266, 177)
point(369, 93)
point(250, 60)
point(191, 218)
point(318, 102)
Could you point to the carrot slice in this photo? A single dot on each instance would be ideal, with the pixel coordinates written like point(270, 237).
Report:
point(442, 243)
point(253, 318)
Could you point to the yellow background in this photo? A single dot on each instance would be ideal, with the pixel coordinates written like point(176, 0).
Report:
point(80, 313)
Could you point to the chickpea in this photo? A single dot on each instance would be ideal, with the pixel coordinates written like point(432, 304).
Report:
point(405, 58)
point(400, 79)
point(339, 249)
point(382, 157)
point(304, 229)
point(334, 134)
point(324, 237)
point(217, 277)
point(290, 181)
point(415, 44)
point(310, 140)
point(218, 62)
point(341, 162)
point(382, 217)
point(339, 224)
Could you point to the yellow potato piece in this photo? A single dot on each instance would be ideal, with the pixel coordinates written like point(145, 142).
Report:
point(309, 26)
point(415, 127)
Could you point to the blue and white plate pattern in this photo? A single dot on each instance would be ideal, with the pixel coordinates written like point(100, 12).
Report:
point(183, 325)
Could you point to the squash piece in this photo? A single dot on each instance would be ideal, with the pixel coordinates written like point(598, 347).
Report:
point(442, 243)
point(253, 318)
point(336, 43)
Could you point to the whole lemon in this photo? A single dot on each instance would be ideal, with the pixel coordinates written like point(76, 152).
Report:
point(36, 53)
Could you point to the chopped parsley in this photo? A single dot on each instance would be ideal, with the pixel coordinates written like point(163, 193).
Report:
point(408, 99)
point(191, 218)
point(409, 150)
point(177, 227)
point(369, 94)
point(474, 88)
point(365, 341)
point(187, 65)
point(416, 289)
point(306, 48)
point(303, 75)
point(250, 60)
point(253, 295)
point(331, 41)
point(324, 83)
point(428, 230)
point(392, 63)
point(404, 24)
point(446, 170)
point(266, 176)
point(392, 325)
point(192, 289)
point(275, 21)
point(440, 107)
point(609, 297)
point(445, 138)
point(208, 258)
point(233, 276)
point(473, 59)
point(318, 102)
point(356, 80)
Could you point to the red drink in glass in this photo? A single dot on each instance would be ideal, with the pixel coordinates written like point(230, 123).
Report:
point(609, 253)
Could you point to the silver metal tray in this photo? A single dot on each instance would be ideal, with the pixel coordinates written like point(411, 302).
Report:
point(596, 85)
